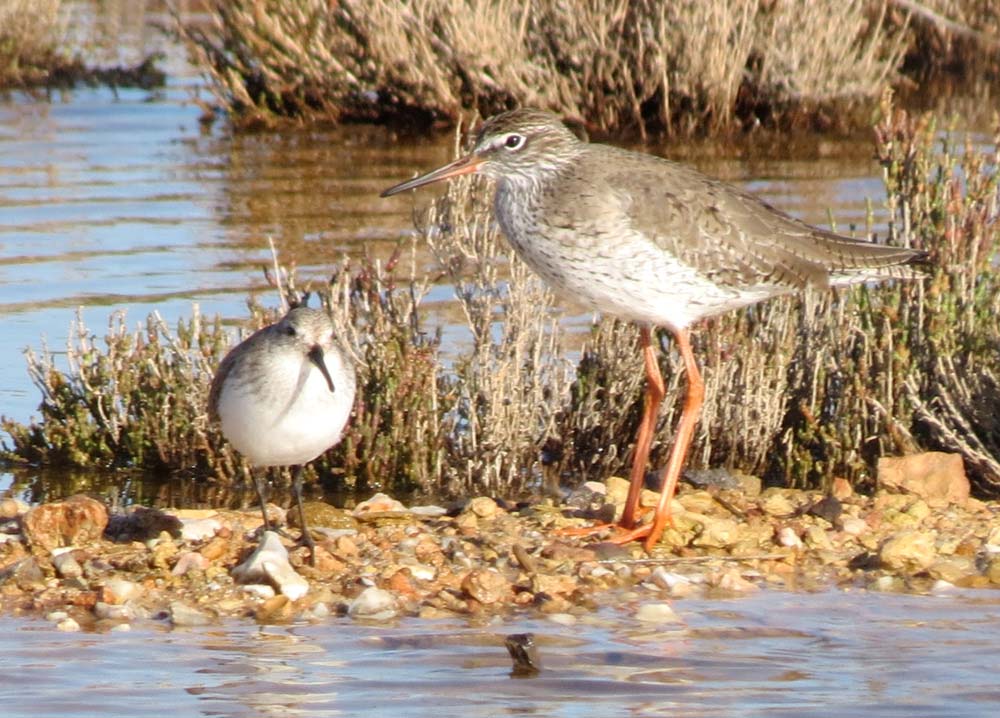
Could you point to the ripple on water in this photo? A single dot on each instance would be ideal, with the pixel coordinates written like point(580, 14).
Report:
point(818, 654)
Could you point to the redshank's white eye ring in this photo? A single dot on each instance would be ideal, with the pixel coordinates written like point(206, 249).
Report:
point(513, 141)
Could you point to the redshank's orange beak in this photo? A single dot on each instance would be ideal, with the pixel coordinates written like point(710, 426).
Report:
point(462, 166)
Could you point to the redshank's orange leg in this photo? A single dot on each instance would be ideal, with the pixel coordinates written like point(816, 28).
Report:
point(685, 432)
point(655, 391)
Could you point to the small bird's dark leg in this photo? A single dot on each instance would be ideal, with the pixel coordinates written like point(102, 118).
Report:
point(258, 484)
point(655, 391)
point(306, 538)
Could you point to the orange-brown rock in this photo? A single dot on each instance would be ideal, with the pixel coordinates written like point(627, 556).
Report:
point(935, 476)
point(486, 586)
point(77, 520)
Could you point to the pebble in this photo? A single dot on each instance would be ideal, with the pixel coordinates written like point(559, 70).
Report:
point(563, 619)
point(190, 561)
point(656, 613)
point(852, 525)
point(66, 564)
point(111, 611)
point(182, 614)
point(199, 529)
point(788, 538)
point(69, 625)
point(120, 590)
point(260, 590)
point(374, 604)
point(909, 551)
point(483, 507)
point(269, 564)
point(774, 503)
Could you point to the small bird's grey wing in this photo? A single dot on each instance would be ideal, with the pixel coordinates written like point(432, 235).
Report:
point(215, 391)
point(234, 359)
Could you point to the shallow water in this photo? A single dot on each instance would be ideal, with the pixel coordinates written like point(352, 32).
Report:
point(814, 654)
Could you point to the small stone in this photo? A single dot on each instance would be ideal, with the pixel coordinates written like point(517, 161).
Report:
point(717, 533)
point(563, 619)
point(886, 584)
point(77, 520)
point(373, 604)
point(183, 615)
point(775, 503)
point(483, 507)
point(26, 573)
point(277, 609)
point(788, 538)
point(910, 551)
point(66, 564)
point(379, 503)
point(951, 568)
point(260, 590)
point(732, 581)
point(56, 616)
point(656, 613)
point(199, 529)
point(841, 489)
point(112, 612)
point(677, 584)
point(486, 586)
point(120, 590)
point(428, 512)
point(750, 486)
point(190, 561)
point(68, 625)
point(919, 510)
point(616, 490)
point(269, 564)
point(992, 571)
point(121, 628)
point(935, 476)
point(817, 538)
point(12, 508)
point(852, 525)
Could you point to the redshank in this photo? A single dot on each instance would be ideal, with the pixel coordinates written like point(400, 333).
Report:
point(283, 396)
point(654, 242)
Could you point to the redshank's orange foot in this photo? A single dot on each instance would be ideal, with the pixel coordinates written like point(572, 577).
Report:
point(586, 530)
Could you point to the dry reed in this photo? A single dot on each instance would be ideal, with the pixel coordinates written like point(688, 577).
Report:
point(644, 66)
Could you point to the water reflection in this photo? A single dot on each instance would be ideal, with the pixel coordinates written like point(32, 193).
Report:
point(821, 654)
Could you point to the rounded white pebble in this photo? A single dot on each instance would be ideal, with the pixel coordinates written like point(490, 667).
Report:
point(69, 625)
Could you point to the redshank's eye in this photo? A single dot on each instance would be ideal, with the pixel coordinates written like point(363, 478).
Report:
point(514, 141)
point(290, 330)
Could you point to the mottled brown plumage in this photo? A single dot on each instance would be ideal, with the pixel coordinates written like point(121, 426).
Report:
point(655, 242)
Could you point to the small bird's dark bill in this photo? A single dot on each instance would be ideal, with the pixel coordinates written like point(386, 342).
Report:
point(461, 166)
point(317, 358)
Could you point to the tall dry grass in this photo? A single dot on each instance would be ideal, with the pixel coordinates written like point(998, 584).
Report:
point(645, 66)
point(31, 32)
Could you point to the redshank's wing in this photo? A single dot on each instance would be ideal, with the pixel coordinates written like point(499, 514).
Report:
point(727, 234)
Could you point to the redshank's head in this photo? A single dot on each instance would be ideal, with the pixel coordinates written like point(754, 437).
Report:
point(517, 146)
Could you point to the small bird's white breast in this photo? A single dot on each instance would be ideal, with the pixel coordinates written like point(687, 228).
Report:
point(287, 414)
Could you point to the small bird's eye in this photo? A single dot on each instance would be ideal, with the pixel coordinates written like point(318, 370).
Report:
point(290, 330)
point(514, 141)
